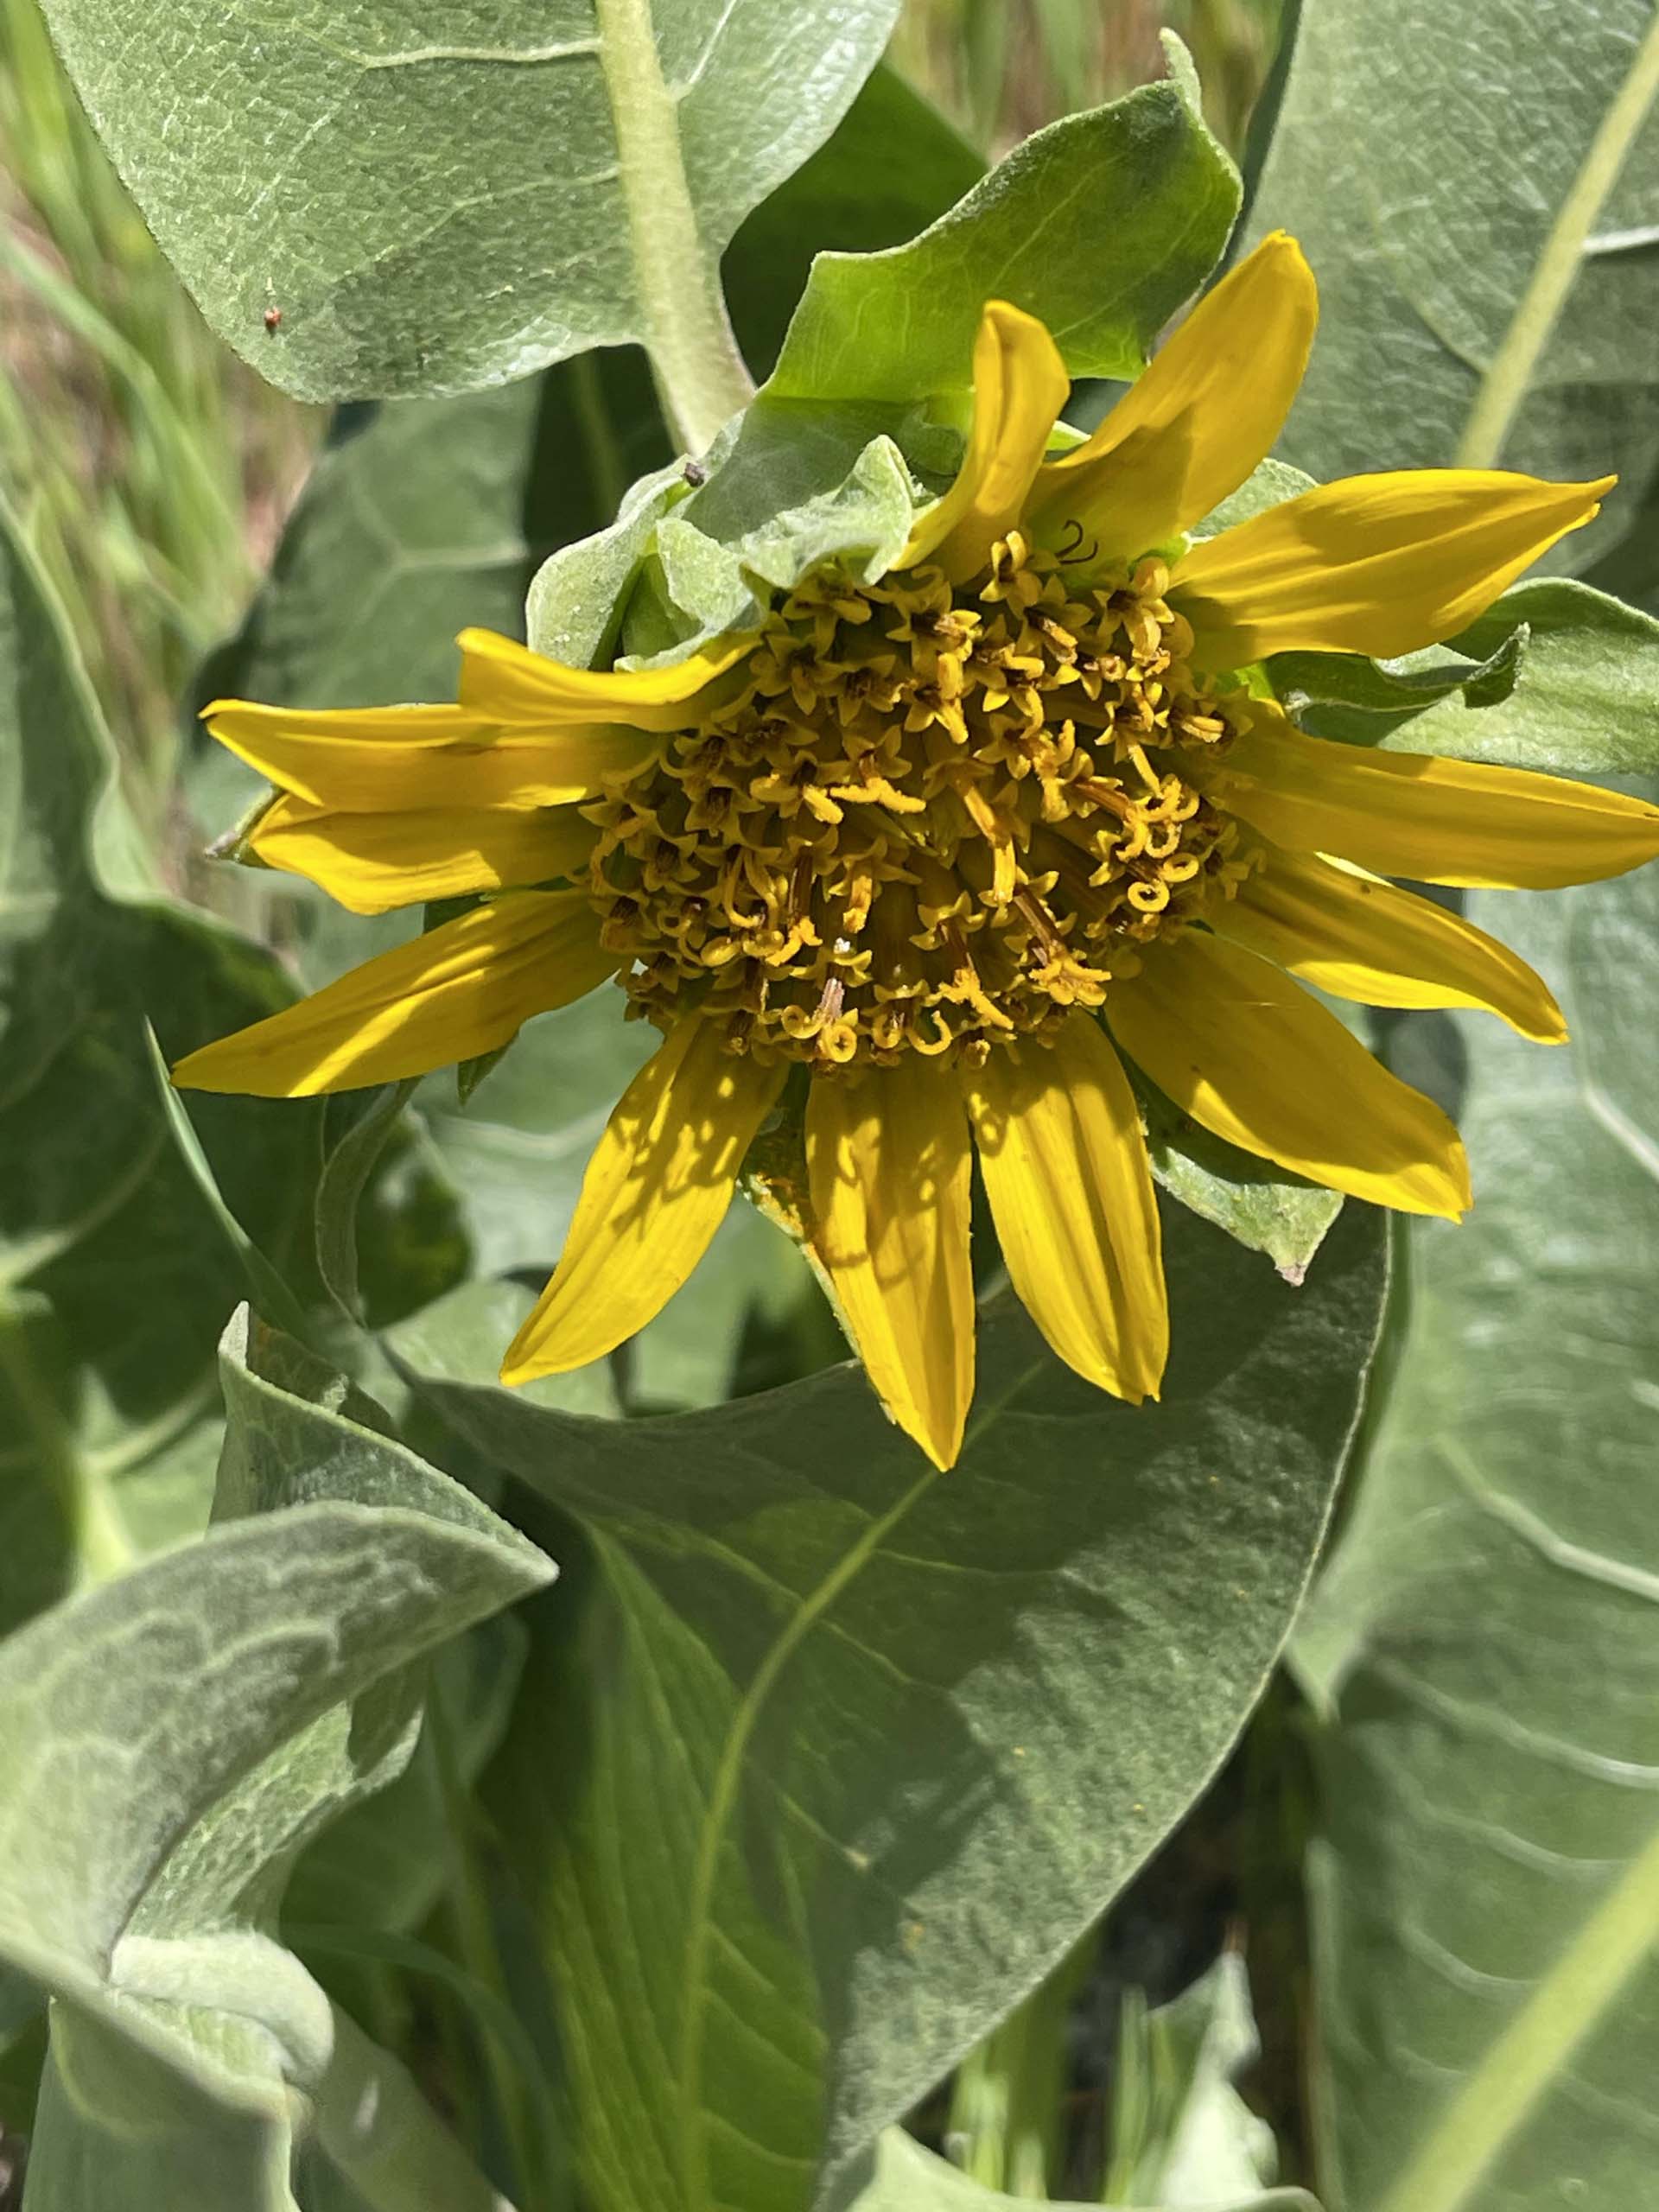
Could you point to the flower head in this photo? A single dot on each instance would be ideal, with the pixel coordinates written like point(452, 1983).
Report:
point(936, 847)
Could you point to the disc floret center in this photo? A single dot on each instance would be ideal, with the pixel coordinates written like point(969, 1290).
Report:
point(928, 818)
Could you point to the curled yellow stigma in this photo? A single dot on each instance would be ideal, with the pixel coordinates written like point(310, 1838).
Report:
point(931, 818)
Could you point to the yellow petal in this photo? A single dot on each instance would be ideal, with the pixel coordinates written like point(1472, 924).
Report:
point(1372, 564)
point(460, 990)
point(1248, 1053)
point(1019, 386)
point(656, 1190)
point(1066, 1173)
point(390, 759)
point(1361, 938)
point(888, 1168)
point(506, 680)
point(1441, 821)
point(1205, 414)
point(374, 862)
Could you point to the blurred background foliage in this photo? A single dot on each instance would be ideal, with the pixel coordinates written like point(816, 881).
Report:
point(152, 471)
point(1002, 68)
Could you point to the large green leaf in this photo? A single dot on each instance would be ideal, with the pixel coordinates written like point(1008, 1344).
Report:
point(1103, 225)
point(436, 197)
point(1477, 189)
point(168, 1742)
point(115, 1279)
point(1487, 1878)
point(866, 1747)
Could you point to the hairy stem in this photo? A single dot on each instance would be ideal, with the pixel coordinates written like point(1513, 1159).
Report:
point(699, 371)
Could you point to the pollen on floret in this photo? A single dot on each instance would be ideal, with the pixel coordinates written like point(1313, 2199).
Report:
point(928, 818)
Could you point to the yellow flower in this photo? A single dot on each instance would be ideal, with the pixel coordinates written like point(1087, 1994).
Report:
point(936, 846)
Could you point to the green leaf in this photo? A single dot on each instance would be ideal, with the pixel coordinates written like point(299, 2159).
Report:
point(264, 1284)
point(1487, 1874)
point(1103, 225)
point(862, 521)
point(360, 1127)
point(115, 1273)
point(1345, 695)
point(168, 1741)
point(1585, 700)
point(579, 596)
point(1477, 206)
point(383, 1864)
point(1265, 1208)
point(892, 166)
point(851, 1707)
point(909, 2179)
point(1269, 484)
point(788, 488)
point(436, 200)
point(1555, 676)
point(119, 2125)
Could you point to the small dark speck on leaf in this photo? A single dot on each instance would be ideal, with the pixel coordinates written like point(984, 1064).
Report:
point(273, 318)
point(694, 473)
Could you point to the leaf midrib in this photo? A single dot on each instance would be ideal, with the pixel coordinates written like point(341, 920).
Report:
point(1501, 2093)
point(694, 2134)
point(1508, 376)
